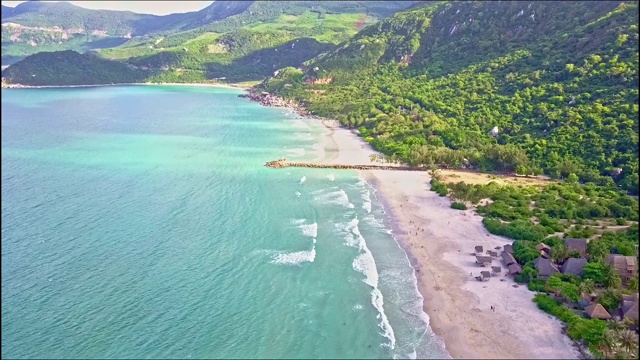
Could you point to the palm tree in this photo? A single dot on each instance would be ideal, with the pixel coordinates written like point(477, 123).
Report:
point(632, 323)
point(632, 284)
point(629, 340)
point(615, 326)
point(559, 254)
point(608, 343)
point(611, 277)
point(587, 287)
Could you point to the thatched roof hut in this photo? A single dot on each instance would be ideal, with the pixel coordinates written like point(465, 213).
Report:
point(493, 253)
point(496, 269)
point(597, 311)
point(508, 248)
point(576, 244)
point(543, 247)
point(573, 266)
point(479, 249)
point(508, 258)
point(514, 269)
point(545, 267)
point(629, 309)
point(486, 275)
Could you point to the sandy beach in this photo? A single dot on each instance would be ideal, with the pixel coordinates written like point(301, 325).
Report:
point(440, 242)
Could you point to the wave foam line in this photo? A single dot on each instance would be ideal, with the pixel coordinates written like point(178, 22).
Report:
point(365, 264)
point(420, 299)
point(339, 197)
point(303, 179)
point(295, 258)
point(310, 230)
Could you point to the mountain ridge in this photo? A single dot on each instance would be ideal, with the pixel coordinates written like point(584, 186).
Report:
point(429, 85)
point(63, 26)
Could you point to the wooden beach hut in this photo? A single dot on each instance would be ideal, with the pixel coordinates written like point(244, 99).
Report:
point(496, 270)
point(486, 275)
point(507, 249)
point(479, 249)
point(483, 260)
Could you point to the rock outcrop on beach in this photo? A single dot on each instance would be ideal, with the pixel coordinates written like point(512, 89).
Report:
point(271, 100)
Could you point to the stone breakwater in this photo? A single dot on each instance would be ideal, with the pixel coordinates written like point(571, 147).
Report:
point(282, 163)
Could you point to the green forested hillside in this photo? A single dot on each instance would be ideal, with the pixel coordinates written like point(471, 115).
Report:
point(557, 79)
point(71, 68)
point(253, 44)
point(228, 39)
point(232, 41)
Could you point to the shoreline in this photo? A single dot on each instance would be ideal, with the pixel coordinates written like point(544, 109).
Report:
point(219, 85)
point(438, 242)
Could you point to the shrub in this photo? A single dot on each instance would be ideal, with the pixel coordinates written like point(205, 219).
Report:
point(458, 206)
point(621, 221)
point(438, 187)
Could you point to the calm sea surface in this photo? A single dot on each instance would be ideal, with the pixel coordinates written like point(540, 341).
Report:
point(140, 222)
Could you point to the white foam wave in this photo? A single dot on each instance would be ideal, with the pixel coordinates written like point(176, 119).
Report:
point(378, 302)
point(310, 230)
point(357, 307)
point(331, 177)
point(295, 258)
point(298, 221)
point(352, 238)
point(365, 264)
point(366, 201)
point(303, 179)
point(298, 193)
point(339, 197)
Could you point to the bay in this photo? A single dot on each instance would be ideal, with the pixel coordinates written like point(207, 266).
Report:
point(140, 222)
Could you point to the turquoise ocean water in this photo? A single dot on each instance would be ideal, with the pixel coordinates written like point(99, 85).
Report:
point(140, 222)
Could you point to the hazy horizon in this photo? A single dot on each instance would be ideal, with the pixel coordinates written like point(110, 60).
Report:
point(143, 7)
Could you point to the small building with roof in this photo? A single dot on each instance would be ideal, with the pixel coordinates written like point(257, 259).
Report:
point(508, 258)
point(514, 269)
point(629, 307)
point(625, 265)
point(579, 245)
point(507, 248)
point(545, 267)
point(496, 270)
point(573, 266)
point(484, 260)
point(597, 311)
point(486, 275)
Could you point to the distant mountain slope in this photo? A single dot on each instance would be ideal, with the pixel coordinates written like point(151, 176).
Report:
point(69, 67)
point(491, 85)
point(36, 26)
point(6, 11)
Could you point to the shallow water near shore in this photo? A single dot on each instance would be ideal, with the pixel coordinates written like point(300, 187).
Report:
point(140, 222)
